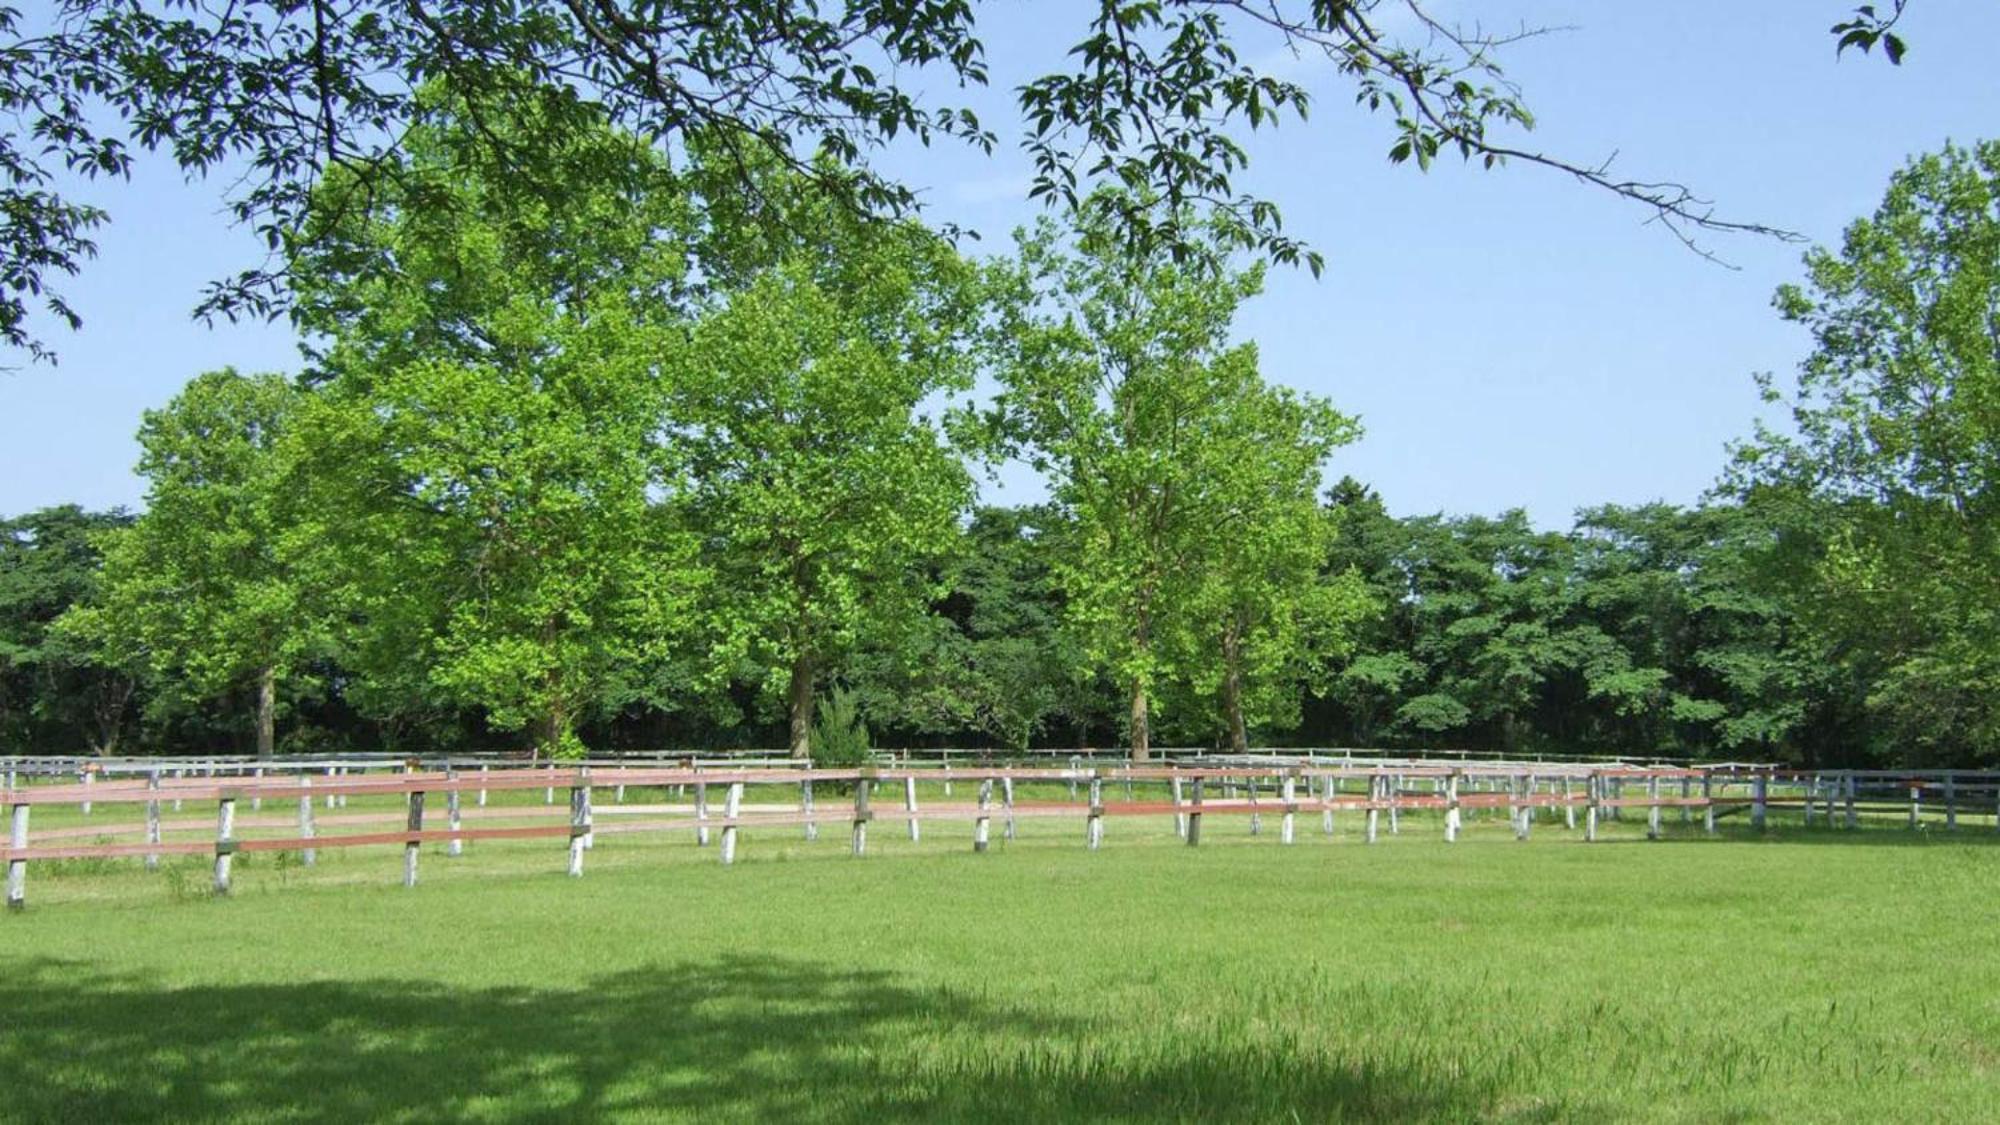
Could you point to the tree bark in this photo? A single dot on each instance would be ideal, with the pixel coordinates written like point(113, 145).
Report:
point(267, 711)
point(799, 705)
point(1232, 691)
point(1142, 738)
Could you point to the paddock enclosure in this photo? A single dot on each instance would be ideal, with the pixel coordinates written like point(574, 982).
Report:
point(143, 809)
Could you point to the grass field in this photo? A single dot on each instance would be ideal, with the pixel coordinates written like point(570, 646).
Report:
point(1805, 974)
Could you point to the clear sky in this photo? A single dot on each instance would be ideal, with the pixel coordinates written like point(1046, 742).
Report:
point(1508, 338)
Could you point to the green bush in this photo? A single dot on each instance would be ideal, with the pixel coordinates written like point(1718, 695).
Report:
point(839, 737)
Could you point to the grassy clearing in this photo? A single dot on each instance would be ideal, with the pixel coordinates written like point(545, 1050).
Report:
point(1821, 974)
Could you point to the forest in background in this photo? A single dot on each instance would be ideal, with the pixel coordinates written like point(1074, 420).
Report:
point(686, 483)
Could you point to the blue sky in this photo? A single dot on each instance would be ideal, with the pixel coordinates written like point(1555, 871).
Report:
point(1508, 338)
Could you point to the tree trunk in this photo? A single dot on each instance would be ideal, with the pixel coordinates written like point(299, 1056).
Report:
point(1232, 691)
point(1142, 738)
point(799, 705)
point(267, 711)
point(553, 726)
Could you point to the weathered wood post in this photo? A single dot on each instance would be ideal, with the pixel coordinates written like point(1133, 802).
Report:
point(700, 812)
point(1951, 802)
point(806, 807)
point(307, 856)
point(332, 778)
point(1708, 801)
point(1916, 803)
point(1569, 809)
point(1593, 786)
point(1256, 818)
point(88, 776)
point(411, 845)
point(1075, 765)
point(256, 798)
point(1374, 803)
point(1180, 817)
point(1687, 794)
point(17, 868)
point(984, 823)
point(1524, 812)
point(1007, 799)
point(910, 806)
point(579, 827)
point(1812, 790)
point(732, 807)
point(1847, 787)
point(153, 817)
point(1760, 792)
point(1394, 786)
point(1194, 812)
point(482, 784)
point(340, 799)
point(1288, 793)
point(454, 847)
point(1451, 814)
point(862, 813)
point(1328, 790)
point(1653, 807)
point(549, 794)
point(225, 840)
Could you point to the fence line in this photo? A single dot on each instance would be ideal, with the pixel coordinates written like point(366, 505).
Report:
point(1187, 794)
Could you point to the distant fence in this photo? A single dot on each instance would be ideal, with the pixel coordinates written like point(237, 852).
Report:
point(1379, 791)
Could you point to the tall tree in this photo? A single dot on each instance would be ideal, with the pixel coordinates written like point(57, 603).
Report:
point(201, 589)
point(487, 455)
point(822, 482)
point(1260, 614)
point(1116, 371)
point(1888, 488)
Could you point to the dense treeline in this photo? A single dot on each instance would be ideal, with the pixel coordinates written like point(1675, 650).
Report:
point(644, 460)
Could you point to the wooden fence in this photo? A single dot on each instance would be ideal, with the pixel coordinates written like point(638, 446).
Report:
point(1379, 793)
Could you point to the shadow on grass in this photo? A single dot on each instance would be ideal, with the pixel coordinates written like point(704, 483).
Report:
point(731, 1039)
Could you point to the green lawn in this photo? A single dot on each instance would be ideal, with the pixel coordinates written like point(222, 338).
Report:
point(1803, 975)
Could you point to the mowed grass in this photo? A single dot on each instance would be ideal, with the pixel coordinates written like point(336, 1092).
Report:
point(1802, 974)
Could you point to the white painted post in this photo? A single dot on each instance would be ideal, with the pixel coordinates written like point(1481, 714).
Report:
point(225, 841)
point(1094, 822)
point(1812, 789)
point(1075, 764)
point(341, 799)
point(910, 806)
point(1288, 793)
point(1592, 788)
point(1760, 792)
point(701, 813)
point(579, 826)
point(1524, 812)
point(1687, 794)
point(862, 814)
point(307, 856)
point(1916, 803)
point(1951, 802)
point(549, 795)
point(17, 868)
point(88, 776)
point(412, 846)
point(1194, 813)
point(1708, 796)
point(179, 775)
point(732, 806)
point(482, 787)
point(1256, 818)
point(454, 847)
point(1328, 790)
point(256, 800)
point(1848, 792)
point(1374, 798)
point(1451, 815)
point(153, 817)
point(1653, 807)
point(589, 808)
point(1180, 818)
point(1569, 810)
point(1395, 795)
point(331, 777)
point(806, 807)
point(983, 825)
point(1007, 800)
